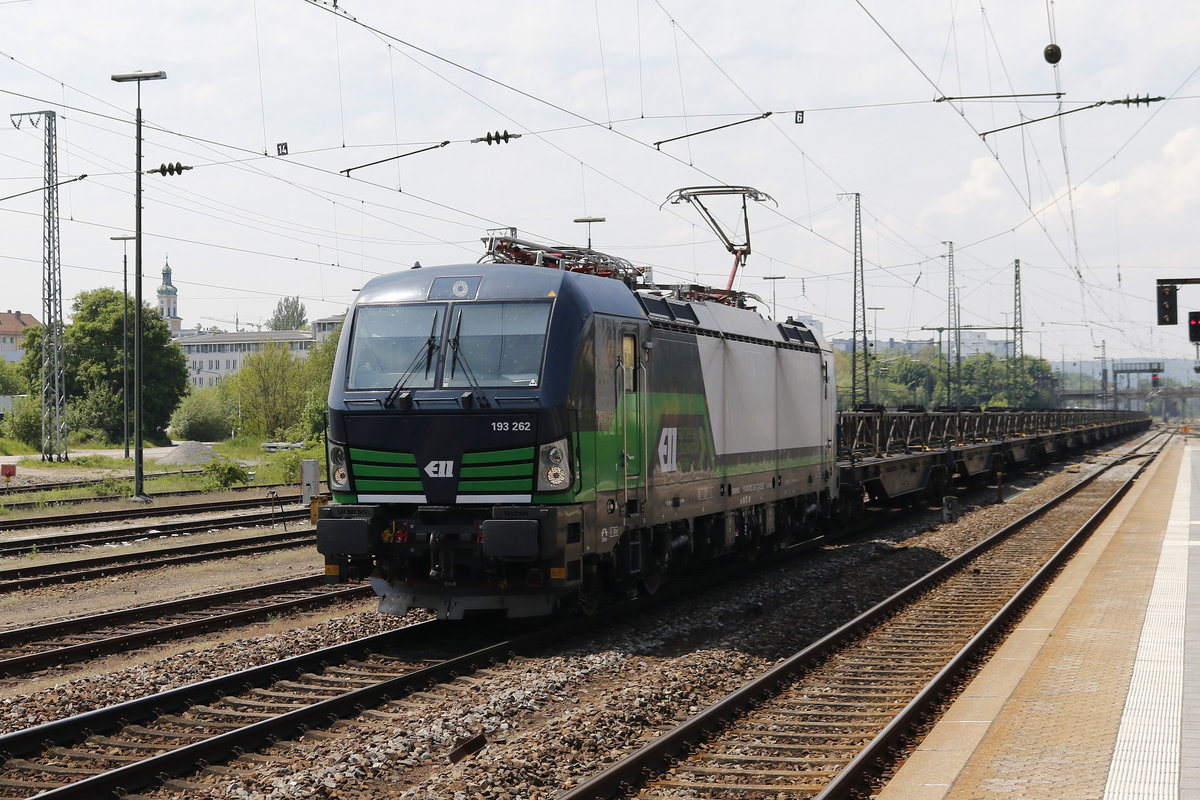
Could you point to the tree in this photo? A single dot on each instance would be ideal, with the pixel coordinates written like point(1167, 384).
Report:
point(93, 370)
point(24, 422)
point(318, 372)
point(289, 315)
point(202, 416)
point(12, 379)
point(269, 391)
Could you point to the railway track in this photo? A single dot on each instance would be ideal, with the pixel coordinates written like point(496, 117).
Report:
point(34, 575)
point(64, 541)
point(67, 641)
point(88, 517)
point(111, 751)
point(824, 721)
point(33, 505)
point(142, 743)
point(5, 491)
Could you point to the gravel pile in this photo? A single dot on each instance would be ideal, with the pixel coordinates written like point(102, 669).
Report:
point(187, 453)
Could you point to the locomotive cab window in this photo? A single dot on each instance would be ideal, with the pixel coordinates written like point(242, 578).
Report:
point(629, 361)
point(496, 344)
point(395, 344)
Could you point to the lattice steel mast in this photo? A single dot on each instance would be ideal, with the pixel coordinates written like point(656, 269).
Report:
point(954, 340)
point(860, 372)
point(54, 404)
point(1018, 332)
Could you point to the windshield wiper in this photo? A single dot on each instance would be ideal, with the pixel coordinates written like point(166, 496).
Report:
point(427, 351)
point(458, 354)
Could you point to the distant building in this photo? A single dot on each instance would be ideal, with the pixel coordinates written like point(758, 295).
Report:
point(976, 343)
point(812, 322)
point(326, 325)
point(13, 325)
point(213, 356)
point(168, 301)
point(906, 346)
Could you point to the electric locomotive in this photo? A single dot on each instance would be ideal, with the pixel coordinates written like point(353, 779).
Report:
point(550, 429)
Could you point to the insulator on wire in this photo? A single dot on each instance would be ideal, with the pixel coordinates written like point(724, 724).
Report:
point(496, 137)
point(170, 169)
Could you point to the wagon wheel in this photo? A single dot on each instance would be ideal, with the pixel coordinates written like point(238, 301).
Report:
point(651, 579)
point(654, 570)
point(590, 592)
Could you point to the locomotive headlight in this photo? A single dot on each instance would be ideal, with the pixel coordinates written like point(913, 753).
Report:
point(339, 474)
point(554, 471)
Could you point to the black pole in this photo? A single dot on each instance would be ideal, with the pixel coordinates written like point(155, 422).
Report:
point(137, 310)
point(125, 347)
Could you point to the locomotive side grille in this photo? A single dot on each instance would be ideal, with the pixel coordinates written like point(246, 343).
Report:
point(498, 471)
point(381, 471)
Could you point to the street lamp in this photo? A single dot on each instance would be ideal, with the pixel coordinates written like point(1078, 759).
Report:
point(124, 338)
point(873, 355)
point(138, 77)
point(589, 221)
point(774, 309)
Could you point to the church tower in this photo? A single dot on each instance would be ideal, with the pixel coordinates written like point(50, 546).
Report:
point(168, 301)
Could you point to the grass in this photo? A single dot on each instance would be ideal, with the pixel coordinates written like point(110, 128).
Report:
point(11, 447)
point(242, 448)
point(77, 462)
point(273, 468)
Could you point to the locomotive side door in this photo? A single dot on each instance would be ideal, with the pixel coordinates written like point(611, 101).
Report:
point(630, 390)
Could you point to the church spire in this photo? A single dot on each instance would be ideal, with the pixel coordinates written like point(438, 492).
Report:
point(168, 299)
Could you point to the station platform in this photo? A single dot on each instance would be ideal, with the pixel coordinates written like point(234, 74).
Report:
point(1096, 694)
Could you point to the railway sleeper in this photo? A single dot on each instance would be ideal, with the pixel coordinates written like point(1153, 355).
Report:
point(131, 744)
point(735, 758)
point(740, 787)
point(141, 730)
point(749, 744)
point(303, 698)
point(228, 712)
point(199, 723)
point(296, 702)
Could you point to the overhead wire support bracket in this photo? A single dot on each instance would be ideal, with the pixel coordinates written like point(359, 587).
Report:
point(44, 188)
point(763, 115)
point(393, 158)
point(945, 99)
point(1128, 101)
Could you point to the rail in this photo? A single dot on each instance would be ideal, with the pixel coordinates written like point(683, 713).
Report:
point(660, 756)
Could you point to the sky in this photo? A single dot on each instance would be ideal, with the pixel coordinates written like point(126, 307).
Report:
point(903, 106)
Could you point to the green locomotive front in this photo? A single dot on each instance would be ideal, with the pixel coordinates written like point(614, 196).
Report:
point(513, 438)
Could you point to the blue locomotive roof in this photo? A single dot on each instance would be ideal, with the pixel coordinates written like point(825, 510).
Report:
point(589, 293)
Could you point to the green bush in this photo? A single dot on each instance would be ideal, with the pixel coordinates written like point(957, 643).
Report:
point(88, 437)
point(221, 473)
point(24, 423)
point(91, 420)
point(201, 417)
point(111, 486)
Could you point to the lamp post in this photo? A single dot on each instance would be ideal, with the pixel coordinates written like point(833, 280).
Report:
point(589, 221)
point(138, 377)
point(124, 339)
point(774, 308)
point(875, 346)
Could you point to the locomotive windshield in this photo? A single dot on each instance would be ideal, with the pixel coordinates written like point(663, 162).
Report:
point(395, 343)
point(496, 344)
point(484, 344)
